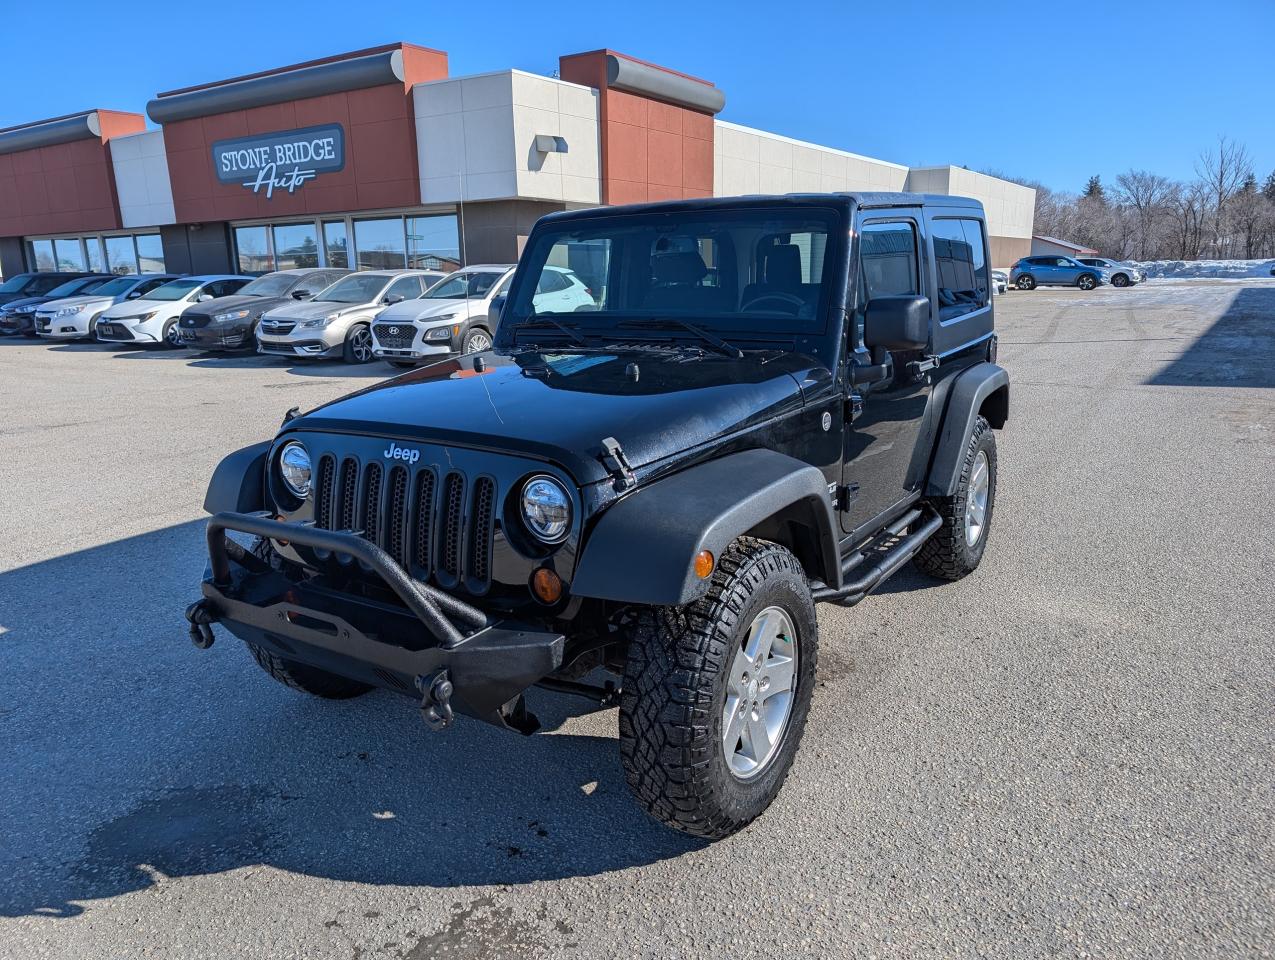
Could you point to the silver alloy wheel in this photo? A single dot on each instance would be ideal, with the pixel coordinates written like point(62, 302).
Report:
point(1026, 283)
point(172, 334)
point(361, 344)
point(976, 498)
point(1086, 282)
point(477, 342)
point(760, 691)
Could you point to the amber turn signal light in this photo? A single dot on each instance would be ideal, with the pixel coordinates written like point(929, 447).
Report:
point(546, 585)
point(703, 564)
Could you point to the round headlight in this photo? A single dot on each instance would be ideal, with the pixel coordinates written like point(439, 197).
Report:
point(546, 509)
point(294, 467)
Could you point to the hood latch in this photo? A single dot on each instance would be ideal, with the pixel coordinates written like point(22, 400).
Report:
point(617, 464)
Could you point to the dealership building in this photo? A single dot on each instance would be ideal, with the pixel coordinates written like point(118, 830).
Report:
point(378, 158)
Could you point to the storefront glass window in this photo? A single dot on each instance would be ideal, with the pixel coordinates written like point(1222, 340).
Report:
point(121, 257)
point(433, 243)
point(253, 244)
point(379, 244)
point(69, 255)
point(97, 262)
point(337, 247)
point(42, 255)
point(150, 253)
point(295, 245)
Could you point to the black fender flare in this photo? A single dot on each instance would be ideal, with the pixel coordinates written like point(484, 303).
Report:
point(238, 483)
point(965, 399)
point(642, 549)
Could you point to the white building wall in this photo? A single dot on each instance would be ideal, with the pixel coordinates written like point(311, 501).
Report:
point(1010, 207)
point(141, 179)
point(750, 161)
point(475, 139)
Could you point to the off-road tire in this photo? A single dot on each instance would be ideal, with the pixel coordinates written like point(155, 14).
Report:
point(675, 686)
point(300, 676)
point(947, 554)
point(1026, 282)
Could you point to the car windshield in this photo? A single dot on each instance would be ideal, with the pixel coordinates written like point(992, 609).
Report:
point(113, 288)
point(271, 285)
point(759, 271)
point(174, 290)
point(15, 284)
point(460, 286)
point(356, 288)
point(78, 285)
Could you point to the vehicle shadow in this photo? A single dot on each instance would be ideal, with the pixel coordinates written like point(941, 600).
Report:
point(132, 756)
point(1237, 351)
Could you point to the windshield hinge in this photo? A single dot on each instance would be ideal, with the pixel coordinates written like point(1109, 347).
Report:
point(617, 464)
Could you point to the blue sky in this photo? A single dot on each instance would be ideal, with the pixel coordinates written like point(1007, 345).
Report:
point(1053, 92)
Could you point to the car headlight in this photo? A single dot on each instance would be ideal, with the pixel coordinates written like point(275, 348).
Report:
point(440, 333)
point(320, 321)
point(546, 509)
point(294, 467)
point(67, 311)
point(230, 315)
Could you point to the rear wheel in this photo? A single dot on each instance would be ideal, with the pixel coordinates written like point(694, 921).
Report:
point(1026, 282)
point(956, 549)
point(716, 693)
point(1087, 281)
point(358, 345)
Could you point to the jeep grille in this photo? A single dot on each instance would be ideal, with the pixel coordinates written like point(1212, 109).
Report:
point(436, 527)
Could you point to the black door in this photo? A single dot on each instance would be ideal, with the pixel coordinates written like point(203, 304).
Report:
point(883, 462)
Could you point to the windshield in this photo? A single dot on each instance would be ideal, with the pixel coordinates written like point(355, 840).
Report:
point(78, 285)
point(271, 285)
point(462, 285)
point(759, 270)
point(174, 290)
point(356, 288)
point(15, 284)
point(113, 288)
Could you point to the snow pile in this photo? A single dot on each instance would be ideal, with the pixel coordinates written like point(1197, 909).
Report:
point(1191, 269)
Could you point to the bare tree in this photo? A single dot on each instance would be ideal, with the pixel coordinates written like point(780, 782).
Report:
point(1223, 172)
point(1148, 194)
point(1190, 202)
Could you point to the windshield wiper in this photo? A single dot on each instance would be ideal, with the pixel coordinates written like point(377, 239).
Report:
point(544, 320)
point(722, 346)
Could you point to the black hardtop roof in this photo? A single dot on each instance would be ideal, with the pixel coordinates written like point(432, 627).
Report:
point(865, 199)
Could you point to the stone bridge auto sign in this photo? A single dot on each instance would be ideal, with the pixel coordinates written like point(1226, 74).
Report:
point(286, 160)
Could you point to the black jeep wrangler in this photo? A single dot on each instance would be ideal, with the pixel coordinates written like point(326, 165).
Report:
point(772, 402)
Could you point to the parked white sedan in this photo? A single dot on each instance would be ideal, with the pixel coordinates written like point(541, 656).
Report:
point(153, 318)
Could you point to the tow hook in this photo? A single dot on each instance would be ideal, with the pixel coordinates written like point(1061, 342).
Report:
point(436, 695)
point(201, 620)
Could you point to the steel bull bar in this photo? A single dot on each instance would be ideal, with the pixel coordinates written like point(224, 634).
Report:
point(465, 659)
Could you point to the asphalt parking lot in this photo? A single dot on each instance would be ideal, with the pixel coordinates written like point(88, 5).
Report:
point(1070, 753)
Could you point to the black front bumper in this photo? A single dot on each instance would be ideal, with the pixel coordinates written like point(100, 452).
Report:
point(427, 642)
point(216, 336)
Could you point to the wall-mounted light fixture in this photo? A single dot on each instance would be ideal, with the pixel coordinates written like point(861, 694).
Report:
point(547, 143)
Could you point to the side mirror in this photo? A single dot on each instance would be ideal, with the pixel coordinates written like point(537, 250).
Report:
point(493, 310)
point(392, 299)
point(897, 323)
point(133, 295)
point(204, 298)
point(301, 294)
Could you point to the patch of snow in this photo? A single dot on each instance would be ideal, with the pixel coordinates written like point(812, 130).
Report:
point(1208, 269)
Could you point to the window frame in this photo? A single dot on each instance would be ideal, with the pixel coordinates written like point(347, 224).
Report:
point(987, 266)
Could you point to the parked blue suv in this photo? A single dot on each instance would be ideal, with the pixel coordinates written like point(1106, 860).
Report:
point(1054, 271)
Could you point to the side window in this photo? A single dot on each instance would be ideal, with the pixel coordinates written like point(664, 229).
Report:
point(960, 259)
point(887, 253)
point(409, 288)
point(148, 286)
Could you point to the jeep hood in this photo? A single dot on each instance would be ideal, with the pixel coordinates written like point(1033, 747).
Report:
point(560, 406)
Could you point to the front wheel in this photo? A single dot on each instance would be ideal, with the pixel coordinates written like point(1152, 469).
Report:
point(716, 694)
point(1026, 282)
point(476, 341)
point(172, 335)
point(1120, 280)
point(1087, 281)
point(956, 549)
point(358, 345)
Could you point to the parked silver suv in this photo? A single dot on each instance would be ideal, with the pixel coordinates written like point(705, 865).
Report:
point(1122, 274)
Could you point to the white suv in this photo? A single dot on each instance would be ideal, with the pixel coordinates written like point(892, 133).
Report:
point(454, 317)
point(153, 318)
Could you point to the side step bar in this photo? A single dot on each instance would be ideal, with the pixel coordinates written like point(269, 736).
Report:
point(886, 564)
